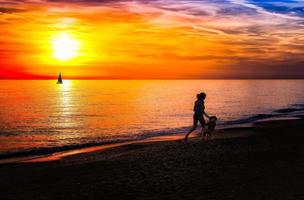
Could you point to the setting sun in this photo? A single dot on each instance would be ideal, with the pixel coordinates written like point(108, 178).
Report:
point(65, 47)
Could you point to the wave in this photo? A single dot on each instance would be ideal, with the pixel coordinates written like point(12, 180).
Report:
point(50, 150)
point(249, 119)
point(293, 111)
point(297, 109)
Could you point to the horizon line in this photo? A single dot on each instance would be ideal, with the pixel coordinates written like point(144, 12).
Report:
point(276, 78)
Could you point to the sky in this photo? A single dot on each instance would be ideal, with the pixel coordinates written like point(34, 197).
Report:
point(151, 39)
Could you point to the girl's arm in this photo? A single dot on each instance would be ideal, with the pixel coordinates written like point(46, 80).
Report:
point(206, 114)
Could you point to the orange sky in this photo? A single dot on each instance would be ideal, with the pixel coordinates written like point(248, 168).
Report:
point(150, 39)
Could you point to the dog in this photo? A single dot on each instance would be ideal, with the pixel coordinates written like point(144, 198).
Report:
point(210, 126)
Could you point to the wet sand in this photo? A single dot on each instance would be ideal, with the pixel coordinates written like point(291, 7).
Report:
point(261, 162)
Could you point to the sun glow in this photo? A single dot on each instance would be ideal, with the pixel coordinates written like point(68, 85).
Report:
point(65, 47)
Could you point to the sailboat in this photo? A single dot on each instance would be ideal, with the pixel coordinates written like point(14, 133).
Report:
point(59, 81)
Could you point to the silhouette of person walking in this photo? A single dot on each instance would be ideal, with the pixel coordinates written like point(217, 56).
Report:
point(199, 112)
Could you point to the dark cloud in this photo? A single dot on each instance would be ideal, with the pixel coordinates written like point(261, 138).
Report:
point(201, 57)
point(14, 2)
point(236, 10)
point(87, 1)
point(10, 10)
point(260, 69)
point(81, 1)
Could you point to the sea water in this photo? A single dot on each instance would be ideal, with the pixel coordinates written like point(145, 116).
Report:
point(40, 115)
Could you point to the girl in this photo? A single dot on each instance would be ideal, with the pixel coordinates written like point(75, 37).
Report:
point(199, 112)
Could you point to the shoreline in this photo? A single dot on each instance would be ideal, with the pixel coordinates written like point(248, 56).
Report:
point(58, 155)
point(269, 160)
point(221, 133)
point(292, 112)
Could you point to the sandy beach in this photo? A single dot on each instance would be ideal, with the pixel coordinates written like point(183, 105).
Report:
point(264, 161)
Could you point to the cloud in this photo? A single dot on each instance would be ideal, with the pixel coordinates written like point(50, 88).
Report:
point(83, 1)
point(283, 7)
point(10, 10)
point(223, 34)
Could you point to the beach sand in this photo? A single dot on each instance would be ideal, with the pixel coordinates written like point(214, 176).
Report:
point(265, 161)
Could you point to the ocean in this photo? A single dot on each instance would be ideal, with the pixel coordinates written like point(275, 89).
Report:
point(40, 116)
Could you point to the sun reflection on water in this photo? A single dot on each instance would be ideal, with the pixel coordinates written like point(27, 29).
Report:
point(66, 121)
point(38, 114)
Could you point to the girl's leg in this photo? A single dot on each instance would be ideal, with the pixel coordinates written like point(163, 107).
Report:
point(202, 122)
point(195, 120)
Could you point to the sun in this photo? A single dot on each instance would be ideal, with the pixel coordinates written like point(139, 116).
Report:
point(65, 46)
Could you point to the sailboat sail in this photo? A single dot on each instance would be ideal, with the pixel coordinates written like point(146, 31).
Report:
point(59, 81)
